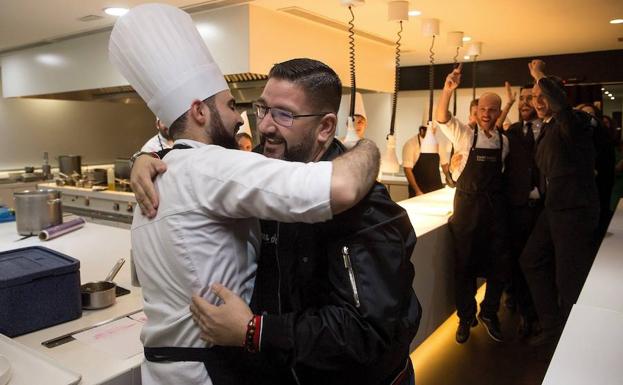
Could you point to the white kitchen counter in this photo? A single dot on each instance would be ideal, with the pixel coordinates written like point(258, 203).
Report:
point(591, 345)
point(98, 248)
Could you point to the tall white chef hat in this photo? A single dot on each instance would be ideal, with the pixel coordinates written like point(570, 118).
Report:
point(246, 127)
point(159, 51)
point(359, 108)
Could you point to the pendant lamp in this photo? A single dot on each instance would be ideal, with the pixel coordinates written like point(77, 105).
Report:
point(455, 39)
point(474, 50)
point(397, 11)
point(351, 134)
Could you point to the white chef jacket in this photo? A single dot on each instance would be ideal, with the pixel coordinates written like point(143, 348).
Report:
point(206, 231)
point(155, 144)
point(412, 148)
point(462, 136)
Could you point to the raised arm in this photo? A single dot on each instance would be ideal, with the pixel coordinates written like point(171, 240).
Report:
point(512, 97)
point(537, 69)
point(452, 82)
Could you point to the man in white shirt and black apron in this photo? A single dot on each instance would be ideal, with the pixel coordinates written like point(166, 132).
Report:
point(478, 223)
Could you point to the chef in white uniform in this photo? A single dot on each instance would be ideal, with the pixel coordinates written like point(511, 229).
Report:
point(204, 232)
point(243, 136)
point(356, 129)
point(160, 141)
point(422, 157)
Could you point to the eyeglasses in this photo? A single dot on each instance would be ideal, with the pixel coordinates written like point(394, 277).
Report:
point(281, 117)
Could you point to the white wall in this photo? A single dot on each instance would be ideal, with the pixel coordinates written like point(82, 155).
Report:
point(98, 131)
point(411, 112)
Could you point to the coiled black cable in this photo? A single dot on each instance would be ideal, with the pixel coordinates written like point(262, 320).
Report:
point(455, 59)
point(474, 78)
point(396, 82)
point(351, 50)
point(431, 79)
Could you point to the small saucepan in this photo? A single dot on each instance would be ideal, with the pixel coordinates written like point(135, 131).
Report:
point(101, 294)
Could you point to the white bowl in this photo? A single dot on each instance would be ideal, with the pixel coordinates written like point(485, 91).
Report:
point(5, 371)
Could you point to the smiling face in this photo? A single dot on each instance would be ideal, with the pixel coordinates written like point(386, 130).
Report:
point(526, 109)
point(540, 103)
point(299, 142)
point(488, 110)
point(360, 125)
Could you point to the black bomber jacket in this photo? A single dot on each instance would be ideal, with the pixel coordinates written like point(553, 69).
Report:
point(337, 297)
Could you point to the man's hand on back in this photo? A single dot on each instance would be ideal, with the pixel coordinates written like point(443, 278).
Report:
point(226, 324)
point(145, 169)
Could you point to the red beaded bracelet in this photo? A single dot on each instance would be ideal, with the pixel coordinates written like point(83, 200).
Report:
point(252, 337)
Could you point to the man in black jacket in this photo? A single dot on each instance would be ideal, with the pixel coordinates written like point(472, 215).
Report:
point(333, 303)
point(560, 250)
point(524, 201)
point(336, 298)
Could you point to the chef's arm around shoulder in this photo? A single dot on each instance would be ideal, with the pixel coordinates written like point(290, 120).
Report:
point(353, 175)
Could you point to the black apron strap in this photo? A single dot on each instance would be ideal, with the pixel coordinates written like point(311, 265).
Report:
point(224, 364)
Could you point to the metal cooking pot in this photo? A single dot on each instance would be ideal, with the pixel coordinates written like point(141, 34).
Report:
point(101, 294)
point(68, 164)
point(36, 210)
point(98, 176)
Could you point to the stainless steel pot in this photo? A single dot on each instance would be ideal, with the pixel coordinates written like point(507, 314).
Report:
point(36, 210)
point(68, 164)
point(101, 294)
point(98, 176)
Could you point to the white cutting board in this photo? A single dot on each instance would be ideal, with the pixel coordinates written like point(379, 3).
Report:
point(30, 367)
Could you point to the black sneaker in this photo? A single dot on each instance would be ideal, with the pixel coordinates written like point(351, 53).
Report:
point(492, 326)
point(462, 332)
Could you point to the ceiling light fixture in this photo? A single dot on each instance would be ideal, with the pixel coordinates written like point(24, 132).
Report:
point(467, 38)
point(602, 88)
point(616, 21)
point(414, 13)
point(115, 11)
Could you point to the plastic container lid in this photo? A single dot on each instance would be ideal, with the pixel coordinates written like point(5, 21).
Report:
point(23, 265)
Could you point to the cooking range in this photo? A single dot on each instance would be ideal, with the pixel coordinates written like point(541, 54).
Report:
point(101, 206)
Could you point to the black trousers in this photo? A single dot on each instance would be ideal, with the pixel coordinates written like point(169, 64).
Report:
point(521, 221)
point(478, 228)
point(557, 259)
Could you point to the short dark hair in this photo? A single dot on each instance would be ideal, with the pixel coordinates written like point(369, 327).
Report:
point(178, 127)
point(320, 83)
point(243, 134)
point(473, 103)
point(554, 90)
point(526, 86)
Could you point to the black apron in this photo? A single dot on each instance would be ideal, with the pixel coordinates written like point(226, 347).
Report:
point(426, 172)
point(478, 228)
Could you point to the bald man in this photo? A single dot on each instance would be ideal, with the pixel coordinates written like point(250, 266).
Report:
point(478, 224)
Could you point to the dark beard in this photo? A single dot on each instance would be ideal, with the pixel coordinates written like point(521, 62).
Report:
point(301, 152)
point(219, 134)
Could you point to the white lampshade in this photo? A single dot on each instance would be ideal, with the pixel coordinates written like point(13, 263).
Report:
point(351, 137)
point(389, 160)
point(455, 38)
point(398, 10)
point(474, 49)
point(430, 27)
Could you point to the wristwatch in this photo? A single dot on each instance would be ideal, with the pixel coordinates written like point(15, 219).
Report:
point(139, 153)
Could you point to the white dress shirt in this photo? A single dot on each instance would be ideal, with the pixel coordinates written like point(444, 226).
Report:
point(206, 231)
point(462, 136)
point(156, 143)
